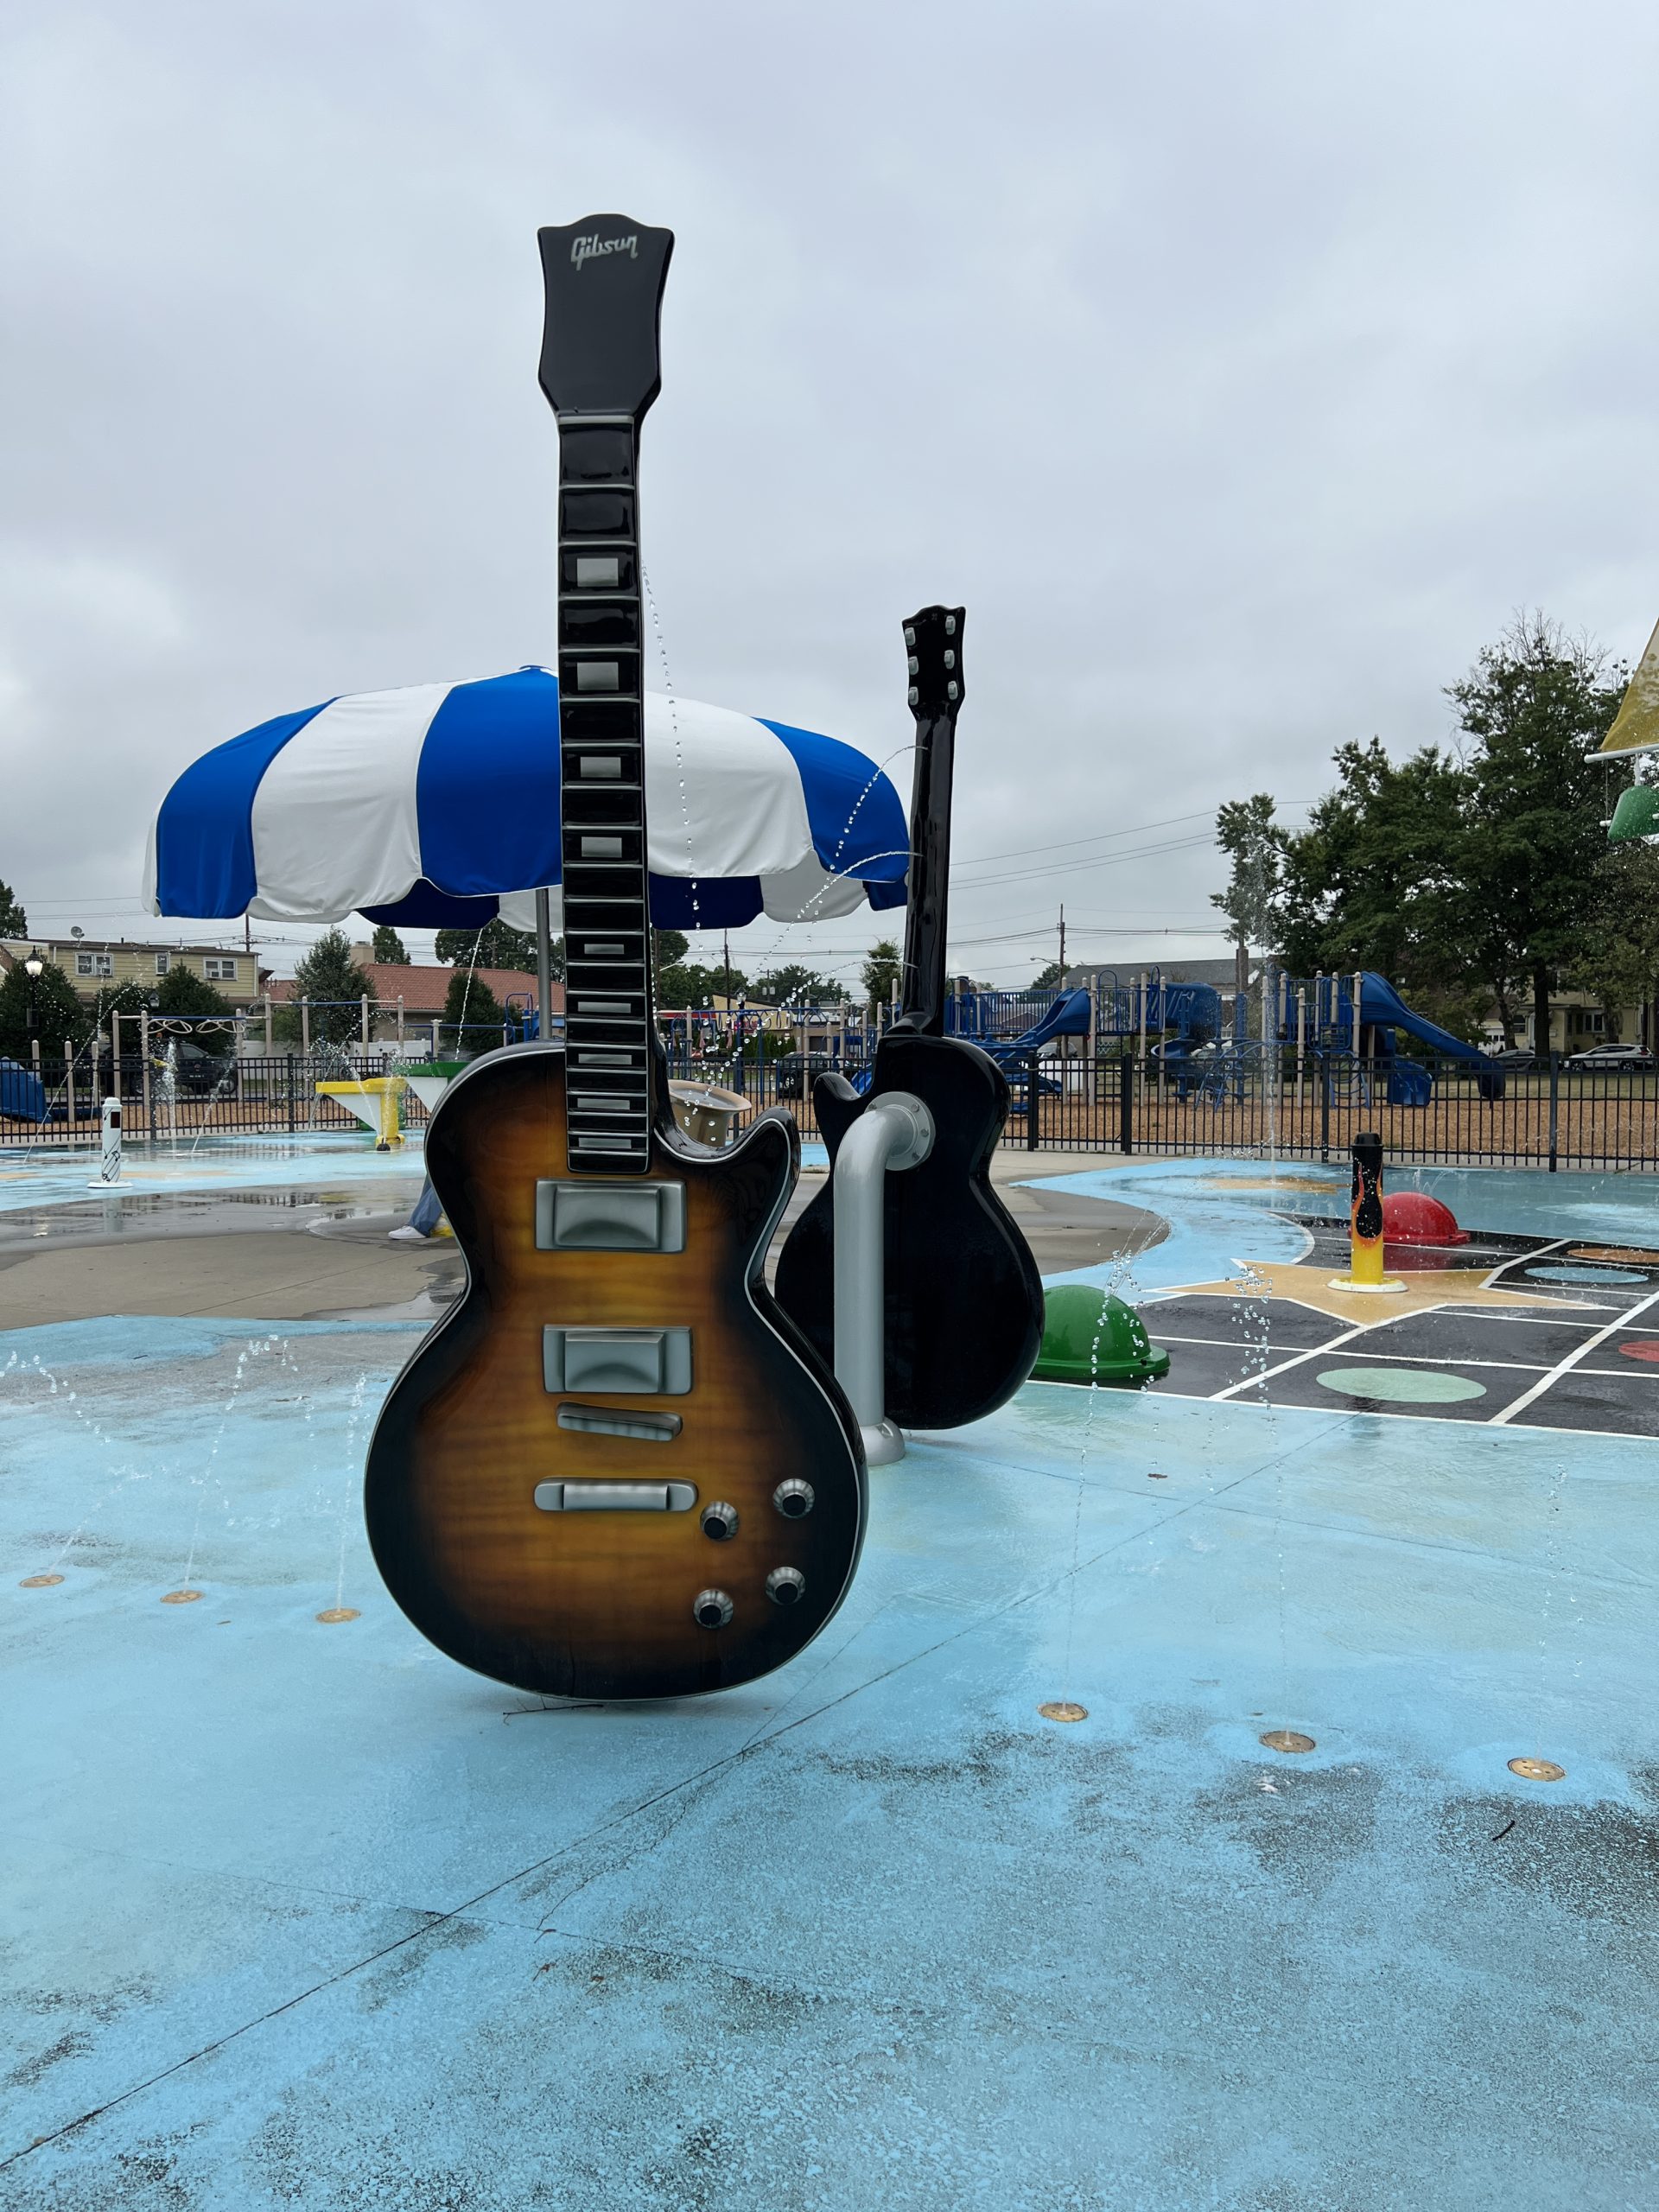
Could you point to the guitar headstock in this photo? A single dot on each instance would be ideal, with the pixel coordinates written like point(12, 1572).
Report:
point(933, 643)
point(604, 279)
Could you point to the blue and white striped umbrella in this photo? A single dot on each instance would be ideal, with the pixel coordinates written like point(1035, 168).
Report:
point(438, 805)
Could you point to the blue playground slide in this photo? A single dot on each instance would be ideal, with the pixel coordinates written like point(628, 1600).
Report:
point(1382, 1008)
point(1067, 1017)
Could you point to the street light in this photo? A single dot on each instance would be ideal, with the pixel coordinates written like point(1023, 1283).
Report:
point(34, 967)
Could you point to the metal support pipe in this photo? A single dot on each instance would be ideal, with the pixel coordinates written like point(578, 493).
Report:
point(895, 1133)
point(543, 966)
point(108, 1163)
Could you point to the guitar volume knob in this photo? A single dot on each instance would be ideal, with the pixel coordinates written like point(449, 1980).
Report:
point(795, 1498)
point(711, 1608)
point(786, 1584)
point(719, 1521)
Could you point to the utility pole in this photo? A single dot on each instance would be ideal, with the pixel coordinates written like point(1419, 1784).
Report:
point(1061, 983)
point(726, 952)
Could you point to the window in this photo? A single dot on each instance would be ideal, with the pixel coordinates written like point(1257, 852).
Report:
point(163, 962)
point(220, 971)
point(94, 963)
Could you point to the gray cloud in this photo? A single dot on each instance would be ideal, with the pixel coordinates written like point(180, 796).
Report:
point(1242, 370)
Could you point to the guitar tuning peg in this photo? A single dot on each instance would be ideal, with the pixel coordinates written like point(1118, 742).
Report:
point(914, 664)
point(949, 660)
point(914, 694)
point(909, 635)
point(953, 691)
point(950, 626)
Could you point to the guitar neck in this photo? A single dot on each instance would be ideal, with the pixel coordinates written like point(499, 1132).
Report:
point(933, 640)
point(610, 1038)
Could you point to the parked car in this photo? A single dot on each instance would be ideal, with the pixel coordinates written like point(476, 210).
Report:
point(795, 1073)
point(1610, 1059)
point(1517, 1058)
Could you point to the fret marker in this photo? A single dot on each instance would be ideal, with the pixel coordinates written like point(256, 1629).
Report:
point(598, 676)
point(601, 768)
point(601, 848)
point(596, 572)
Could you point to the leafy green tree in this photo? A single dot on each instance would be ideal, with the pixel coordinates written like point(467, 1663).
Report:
point(14, 922)
point(180, 992)
point(880, 970)
point(495, 945)
point(388, 948)
point(1047, 979)
point(1618, 959)
point(1376, 879)
point(60, 1015)
point(1537, 704)
point(783, 986)
point(472, 1016)
point(333, 983)
point(668, 947)
point(690, 983)
point(1247, 833)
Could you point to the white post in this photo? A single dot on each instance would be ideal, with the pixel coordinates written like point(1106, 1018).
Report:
point(305, 1027)
point(1301, 1037)
point(270, 1033)
point(144, 1057)
point(109, 1164)
point(1356, 987)
point(364, 1013)
point(115, 1054)
point(69, 1086)
point(400, 1022)
point(34, 1052)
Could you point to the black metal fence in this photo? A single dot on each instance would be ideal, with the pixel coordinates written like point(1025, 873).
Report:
point(1553, 1115)
point(1550, 1116)
point(184, 1101)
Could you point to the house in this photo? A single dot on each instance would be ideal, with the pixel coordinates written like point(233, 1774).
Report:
point(411, 999)
point(103, 964)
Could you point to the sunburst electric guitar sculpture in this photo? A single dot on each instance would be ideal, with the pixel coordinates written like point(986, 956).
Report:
point(614, 1469)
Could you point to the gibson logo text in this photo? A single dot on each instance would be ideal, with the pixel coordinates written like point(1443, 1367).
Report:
point(589, 249)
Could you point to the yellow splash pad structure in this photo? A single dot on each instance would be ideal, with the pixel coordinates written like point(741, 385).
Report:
point(374, 1099)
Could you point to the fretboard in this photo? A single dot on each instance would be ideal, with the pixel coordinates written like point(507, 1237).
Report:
point(609, 1041)
point(933, 644)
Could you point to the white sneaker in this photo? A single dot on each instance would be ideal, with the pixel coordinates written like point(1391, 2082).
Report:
point(407, 1236)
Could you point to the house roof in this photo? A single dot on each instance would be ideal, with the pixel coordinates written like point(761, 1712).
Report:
point(423, 990)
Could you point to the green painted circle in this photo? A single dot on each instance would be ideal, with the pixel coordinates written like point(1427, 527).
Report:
point(1402, 1386)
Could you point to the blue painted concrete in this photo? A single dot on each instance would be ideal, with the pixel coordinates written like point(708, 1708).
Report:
point(1218, 1221)
point(219, 1163)
point(304, 1916)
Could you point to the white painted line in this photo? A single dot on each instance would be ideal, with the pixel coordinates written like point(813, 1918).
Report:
point(1561, 1367)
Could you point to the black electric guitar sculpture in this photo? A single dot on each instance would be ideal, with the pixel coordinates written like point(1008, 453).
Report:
point(613, 1469)
point(964, 1305)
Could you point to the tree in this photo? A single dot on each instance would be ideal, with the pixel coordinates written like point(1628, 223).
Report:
point(180, 992)
point(881, 970)
point(60, 1016)
point(668, 947)
point(1376, 879)
point(14, 922)
point(1047, 979)
point(495, 945)
point(1253, 841)
point(472, 1015)
point(1618, 959)
point(783, 986)
point(1537, 704)
point(388, 947)
point(335, 985)
point(690, 983)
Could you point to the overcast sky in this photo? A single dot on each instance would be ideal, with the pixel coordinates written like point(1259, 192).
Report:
point(1243, 368)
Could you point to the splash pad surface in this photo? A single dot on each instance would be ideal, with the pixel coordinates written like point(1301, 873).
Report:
point(307, 1916)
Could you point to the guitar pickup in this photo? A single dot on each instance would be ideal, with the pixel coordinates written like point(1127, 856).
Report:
point(610, 1217)
point(616, 1498)
point(621, 1420)
point(654, 1362)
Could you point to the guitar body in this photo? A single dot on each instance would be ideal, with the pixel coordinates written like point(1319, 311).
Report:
point(964, 1301)
point(603, 1603)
